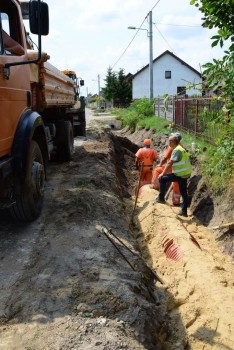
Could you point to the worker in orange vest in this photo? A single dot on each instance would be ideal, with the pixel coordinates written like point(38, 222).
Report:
point(148, 156)
point(176, 196)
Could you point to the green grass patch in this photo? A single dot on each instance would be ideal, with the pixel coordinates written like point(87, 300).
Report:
point(155, 123)
point(140, 114)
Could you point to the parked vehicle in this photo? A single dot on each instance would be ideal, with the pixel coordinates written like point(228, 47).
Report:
point(37, 110)
point(78, 110)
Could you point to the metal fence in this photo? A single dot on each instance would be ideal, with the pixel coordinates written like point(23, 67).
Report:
point(198, 115)
point(164, 107)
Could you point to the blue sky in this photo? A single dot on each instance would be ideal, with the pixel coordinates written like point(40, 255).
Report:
point(89, 36)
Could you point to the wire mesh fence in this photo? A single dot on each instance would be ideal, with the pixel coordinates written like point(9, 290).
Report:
point(164, 107)
point(199, 116)
point(196, 115)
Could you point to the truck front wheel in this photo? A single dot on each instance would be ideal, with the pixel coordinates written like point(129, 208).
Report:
point(29, 201)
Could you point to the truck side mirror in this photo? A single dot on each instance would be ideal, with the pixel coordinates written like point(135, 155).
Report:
point(81, 82)
point(34, 8)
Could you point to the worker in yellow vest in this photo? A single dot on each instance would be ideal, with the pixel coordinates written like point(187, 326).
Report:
point(159, 169)
point(181, 171)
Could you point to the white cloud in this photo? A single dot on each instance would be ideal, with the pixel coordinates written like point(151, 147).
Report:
point(90, 36)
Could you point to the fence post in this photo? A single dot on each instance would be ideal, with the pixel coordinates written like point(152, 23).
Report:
point(196, 118)
point(182, 114)
point(173, 109)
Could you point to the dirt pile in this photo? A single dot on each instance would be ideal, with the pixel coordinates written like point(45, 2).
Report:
point(64, 286)
point(199, 278)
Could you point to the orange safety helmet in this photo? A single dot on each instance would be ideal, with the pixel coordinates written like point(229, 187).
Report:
point(147, 142)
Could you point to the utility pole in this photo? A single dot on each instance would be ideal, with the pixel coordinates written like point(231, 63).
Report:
point(150, 36)
point(98, 91)
point(151, 77)
point(87, 98)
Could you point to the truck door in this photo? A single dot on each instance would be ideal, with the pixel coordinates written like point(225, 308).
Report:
point(14, 92)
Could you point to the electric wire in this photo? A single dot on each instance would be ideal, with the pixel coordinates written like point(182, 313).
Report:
point(134, 36)
point(179, 25)
point(129, 44)
point(164, 39)
point(155, 5)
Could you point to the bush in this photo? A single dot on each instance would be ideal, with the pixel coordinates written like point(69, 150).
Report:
point(219, 164)
point(138, 111)
point(143, 107)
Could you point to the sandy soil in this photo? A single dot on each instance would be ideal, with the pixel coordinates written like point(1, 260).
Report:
point(197, 275)
point(64, 285)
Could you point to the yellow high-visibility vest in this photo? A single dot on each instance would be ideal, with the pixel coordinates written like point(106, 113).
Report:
point(182, 168)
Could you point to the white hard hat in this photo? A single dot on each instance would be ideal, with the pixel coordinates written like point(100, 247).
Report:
point(177, 135)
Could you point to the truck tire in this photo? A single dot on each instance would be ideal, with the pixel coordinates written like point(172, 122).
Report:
point(29, 202)
point(65, 141)
point(80, 130)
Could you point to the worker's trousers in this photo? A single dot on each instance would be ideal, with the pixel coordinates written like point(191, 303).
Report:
point(155, 184)
point(182, 185)
point(146, 175)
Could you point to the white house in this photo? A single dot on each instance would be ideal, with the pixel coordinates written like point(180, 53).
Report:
point(171, 76)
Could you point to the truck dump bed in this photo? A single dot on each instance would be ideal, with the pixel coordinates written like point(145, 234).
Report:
point(50, 87)
point(59, 89)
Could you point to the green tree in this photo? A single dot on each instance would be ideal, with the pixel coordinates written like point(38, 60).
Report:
point(118, 89)
point(123, 95)
point(111, 82)
point(220, 14)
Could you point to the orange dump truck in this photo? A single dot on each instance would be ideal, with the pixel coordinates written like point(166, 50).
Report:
point(38, 116)
point(78, 110)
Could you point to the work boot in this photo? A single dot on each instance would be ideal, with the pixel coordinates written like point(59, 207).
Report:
point(183, 213)
point(159, 200)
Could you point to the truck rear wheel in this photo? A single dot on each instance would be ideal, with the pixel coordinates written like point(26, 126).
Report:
point(64, 141)
point(79, 123)
point(80, 130)
point(29, 202)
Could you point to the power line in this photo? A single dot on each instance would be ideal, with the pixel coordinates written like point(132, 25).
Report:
point(129, 43)
point(164, 38)
point(179, 25)
point(134, 36)
point(155, 5)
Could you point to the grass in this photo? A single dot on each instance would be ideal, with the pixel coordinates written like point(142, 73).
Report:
point(155, 123)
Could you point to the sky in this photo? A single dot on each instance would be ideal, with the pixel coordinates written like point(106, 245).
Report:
point(91, 36)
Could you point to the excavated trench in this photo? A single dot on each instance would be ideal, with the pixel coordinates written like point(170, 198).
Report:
point(211, 211)
point(72, 288)
point(206, 211)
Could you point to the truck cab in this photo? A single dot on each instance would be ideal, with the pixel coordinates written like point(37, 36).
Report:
point(14, 92)
point(36, 110)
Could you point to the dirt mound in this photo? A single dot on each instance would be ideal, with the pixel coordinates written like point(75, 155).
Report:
point(65, 286)
point(199, 277)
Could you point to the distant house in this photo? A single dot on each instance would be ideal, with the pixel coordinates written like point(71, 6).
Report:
point(171, 75)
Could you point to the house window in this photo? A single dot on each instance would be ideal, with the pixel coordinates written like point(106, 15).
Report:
point(167, 74)
point(181, 90)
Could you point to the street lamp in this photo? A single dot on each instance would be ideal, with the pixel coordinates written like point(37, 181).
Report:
point(150, 36)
